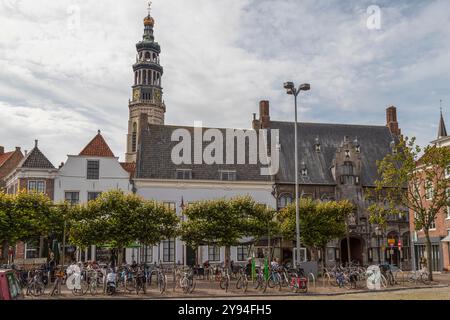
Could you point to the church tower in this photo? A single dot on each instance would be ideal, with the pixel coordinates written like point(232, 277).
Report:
point(146, 91)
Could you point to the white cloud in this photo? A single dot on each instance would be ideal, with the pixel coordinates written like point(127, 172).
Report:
point(220, 58)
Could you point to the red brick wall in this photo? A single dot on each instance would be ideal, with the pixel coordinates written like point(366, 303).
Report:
point(20, 250)
point(49, 186)
point(9, 166)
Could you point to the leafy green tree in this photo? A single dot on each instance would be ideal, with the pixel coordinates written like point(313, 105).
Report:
point(117, 219)
point(320, 222)
point(224, 222)
point(154, 223)
point(8, 232)
point(415, 179)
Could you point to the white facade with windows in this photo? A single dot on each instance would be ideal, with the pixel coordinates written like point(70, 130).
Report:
point(174, 193)
point(83, 178)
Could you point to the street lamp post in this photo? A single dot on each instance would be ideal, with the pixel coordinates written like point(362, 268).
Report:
point(292, 90)
point(378, 232)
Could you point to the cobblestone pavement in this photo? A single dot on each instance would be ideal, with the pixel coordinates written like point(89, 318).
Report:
point(211, 290)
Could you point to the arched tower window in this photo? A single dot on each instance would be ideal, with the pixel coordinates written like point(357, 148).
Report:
point(134, 137)
point(147, 55)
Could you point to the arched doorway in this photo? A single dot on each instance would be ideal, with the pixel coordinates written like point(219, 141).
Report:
point(356, 250)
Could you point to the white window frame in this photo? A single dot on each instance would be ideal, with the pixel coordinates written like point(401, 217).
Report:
point(171, 253)
point(36, 182)
point(87, 170)
point(34, 249)
point(65, 198)
point(216, 251)
point(243, 249)
point(433, 224)
point(429, 190)
point(447, 172)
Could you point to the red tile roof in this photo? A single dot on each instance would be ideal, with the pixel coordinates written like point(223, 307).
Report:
point(130, 167)
point(97, 148)
point(4, 157)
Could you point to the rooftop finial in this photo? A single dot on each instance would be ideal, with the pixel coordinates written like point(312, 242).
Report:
point(149, 8)
point(36, 143)
point(99, 131)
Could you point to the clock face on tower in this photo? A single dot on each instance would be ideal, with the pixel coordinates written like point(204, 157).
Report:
point(158, 96)
point(136, 94)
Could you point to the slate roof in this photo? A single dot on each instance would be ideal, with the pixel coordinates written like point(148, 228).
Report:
point(442, 129)
point(154, 158)
point(155, 147)
point(97, 147)
point(35, 159)
point(375, 142)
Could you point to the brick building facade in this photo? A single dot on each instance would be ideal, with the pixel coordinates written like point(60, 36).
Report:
point(8, 162)
point(440, 234)
point(33, 173)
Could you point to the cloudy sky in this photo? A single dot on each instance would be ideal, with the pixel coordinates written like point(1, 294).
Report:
point(65, 66)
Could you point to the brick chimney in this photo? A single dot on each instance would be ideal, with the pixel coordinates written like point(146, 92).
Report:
point(264, 115)
point(2, 149)
point(391, 121)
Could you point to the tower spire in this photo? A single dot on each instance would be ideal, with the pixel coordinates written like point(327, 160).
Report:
point(147, 87)
point(442, 129)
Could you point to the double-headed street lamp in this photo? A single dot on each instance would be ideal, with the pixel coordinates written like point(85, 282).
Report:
point(292, 90)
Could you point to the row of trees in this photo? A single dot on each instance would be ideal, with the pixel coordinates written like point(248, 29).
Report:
point(117, 220)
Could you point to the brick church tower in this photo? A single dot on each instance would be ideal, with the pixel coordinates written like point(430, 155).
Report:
point(147, 90)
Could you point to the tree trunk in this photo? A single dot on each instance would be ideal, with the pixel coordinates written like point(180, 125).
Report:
point(120, 256)
point(324, 260)
point(5, 249)
point(227, 257)
point(429, 261)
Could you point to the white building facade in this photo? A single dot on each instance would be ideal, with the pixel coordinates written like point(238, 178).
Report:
point(84, 177)
point(178, 193)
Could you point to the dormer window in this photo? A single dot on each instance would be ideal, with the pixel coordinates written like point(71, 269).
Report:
point(393, 147)
point(317, 145)
point(304, 170)
point(357, 146)
point(347, 153)
point(358, 149)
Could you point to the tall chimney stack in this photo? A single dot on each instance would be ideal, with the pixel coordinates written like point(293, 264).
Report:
point(391, 121)
point(264, 114)
point(2, 149)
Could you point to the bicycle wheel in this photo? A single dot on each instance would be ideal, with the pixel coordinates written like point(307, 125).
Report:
point(272, 281)
point(192, 285)
point(239, 283)
point(424, 279)
point(37, 289)
point(384, 282)
point(244, 285)
point(256, 283)
point(223, 284)
point(93, 288)
point(162, 283)
point(129, 284)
